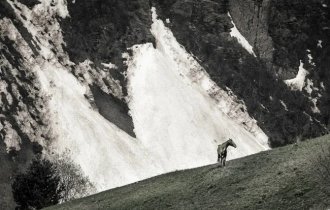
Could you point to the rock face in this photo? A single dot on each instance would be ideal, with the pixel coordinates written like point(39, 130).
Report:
point(90, 39)
point(22, 107)
point(251, 17)
point(304, 37)
point(102, 30)
point(203, 28)
point(285, 33)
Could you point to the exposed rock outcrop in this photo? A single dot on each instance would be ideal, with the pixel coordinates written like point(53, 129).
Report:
point(101, 31)
point(286, 33)
point(251, 17)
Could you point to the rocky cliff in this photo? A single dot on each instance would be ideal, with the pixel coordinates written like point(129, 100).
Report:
point(251, 17)
point(286, 33)
point(203, 28)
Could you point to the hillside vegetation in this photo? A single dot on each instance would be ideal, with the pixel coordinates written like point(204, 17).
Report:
point(291, 177)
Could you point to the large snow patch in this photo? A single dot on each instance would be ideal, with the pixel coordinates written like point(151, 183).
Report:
point(109, 156)
point(173, 113)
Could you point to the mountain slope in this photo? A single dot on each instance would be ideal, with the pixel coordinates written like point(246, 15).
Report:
point(163, 80)
point(122, 90)
point(283, 178)
point(279, 39)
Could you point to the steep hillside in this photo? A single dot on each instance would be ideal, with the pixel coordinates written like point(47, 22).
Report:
point(284, 178)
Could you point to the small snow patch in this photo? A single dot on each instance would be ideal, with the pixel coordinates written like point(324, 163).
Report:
point(298, 82)
point(315, 109)
point(319, 43)
point(309, 89)
point(309, 86)
point(310, 58)
point(11, 138)
point(109, 65)
point(284, 105)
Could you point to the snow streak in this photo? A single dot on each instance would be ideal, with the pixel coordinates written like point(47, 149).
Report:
point(240, 38)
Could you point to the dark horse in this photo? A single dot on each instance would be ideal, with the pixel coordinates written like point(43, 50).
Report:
point(222, 151)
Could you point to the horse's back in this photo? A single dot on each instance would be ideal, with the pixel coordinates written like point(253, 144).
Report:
point(220, 148)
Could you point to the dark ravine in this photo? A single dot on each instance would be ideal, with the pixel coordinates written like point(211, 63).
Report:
point(114, 110)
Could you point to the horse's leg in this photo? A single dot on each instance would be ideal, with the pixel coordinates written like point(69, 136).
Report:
point(218, 157)
point(221, 161)
point(224, 161)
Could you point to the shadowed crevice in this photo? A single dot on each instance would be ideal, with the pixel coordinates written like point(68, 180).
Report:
point(114, 110)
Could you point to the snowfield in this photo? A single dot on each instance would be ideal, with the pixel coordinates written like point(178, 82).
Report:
point(109, 156)
point(180, 115)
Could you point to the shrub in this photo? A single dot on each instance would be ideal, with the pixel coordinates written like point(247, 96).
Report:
point(74, 182)
point(38, 187)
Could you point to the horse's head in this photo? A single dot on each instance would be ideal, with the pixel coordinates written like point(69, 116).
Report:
point(232, 143)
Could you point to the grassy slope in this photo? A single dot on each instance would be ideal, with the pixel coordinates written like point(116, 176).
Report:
point(284, 178)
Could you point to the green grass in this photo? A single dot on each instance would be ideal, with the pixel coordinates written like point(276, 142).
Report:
point(283, 178)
